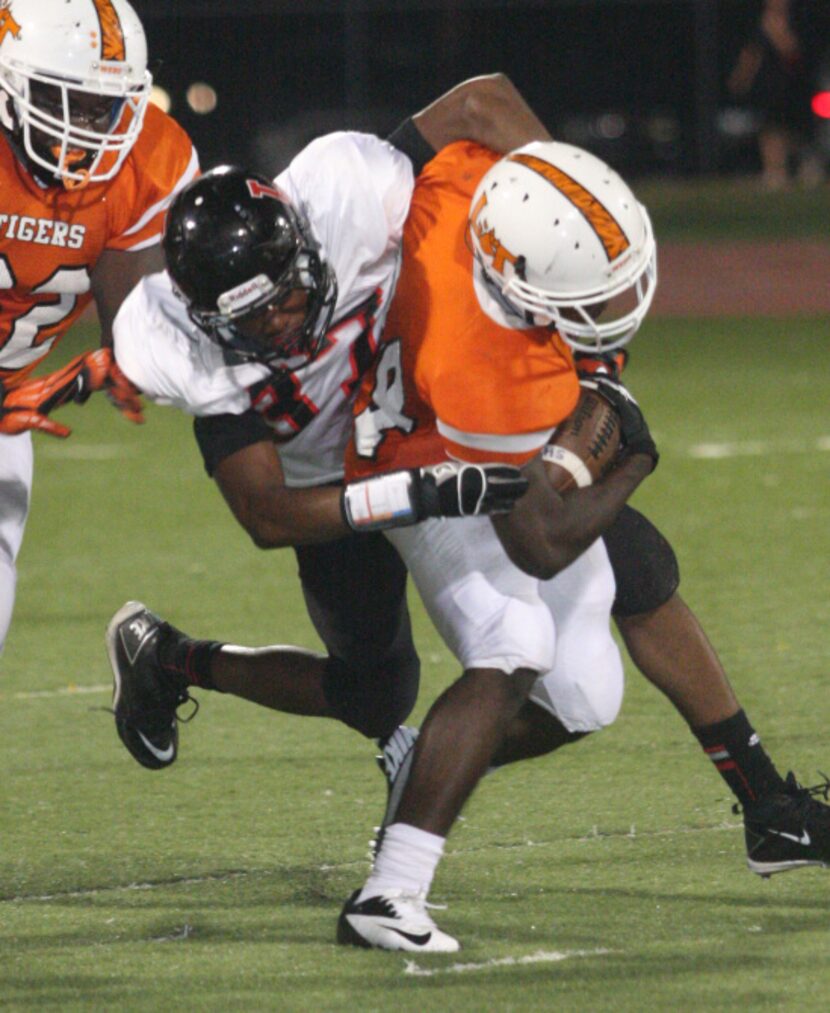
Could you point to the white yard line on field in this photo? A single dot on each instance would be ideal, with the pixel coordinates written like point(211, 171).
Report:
point(83, 451)
point(70, 690)
point(754, 448)
point(542, 957)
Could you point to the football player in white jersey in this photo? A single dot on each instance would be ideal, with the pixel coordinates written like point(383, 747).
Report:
point(269, 315)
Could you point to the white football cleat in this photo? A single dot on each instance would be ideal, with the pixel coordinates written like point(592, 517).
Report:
point(394, 920)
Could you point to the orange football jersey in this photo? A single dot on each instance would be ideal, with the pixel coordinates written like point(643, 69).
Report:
point(449, 382)
point(51, 239)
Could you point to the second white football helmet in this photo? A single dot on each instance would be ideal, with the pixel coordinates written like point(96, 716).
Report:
point(56, 57)
point(561, 240)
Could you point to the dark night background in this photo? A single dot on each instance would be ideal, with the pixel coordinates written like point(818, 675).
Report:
point(640, 82)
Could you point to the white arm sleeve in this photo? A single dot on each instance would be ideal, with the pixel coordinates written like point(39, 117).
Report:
point(155, 346)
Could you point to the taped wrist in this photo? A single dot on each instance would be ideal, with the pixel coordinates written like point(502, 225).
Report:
point(383, 502)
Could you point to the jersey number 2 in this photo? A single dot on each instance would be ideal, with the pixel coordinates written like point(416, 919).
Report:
point(21, 346)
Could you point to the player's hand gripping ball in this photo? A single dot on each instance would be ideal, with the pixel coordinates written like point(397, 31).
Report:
point(584, 445)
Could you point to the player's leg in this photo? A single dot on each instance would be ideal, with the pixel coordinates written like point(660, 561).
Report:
point(15, 491)
point(667, 643)
point(356, 598)
point(583, 691)
point(492, 618)
point(355, 592)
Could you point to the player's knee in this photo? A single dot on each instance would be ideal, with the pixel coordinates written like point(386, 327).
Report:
point(601, 698)
point(645, 566)
point(373, 699)
point(584, 692)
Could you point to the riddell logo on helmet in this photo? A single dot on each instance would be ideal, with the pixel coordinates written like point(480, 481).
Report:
point(244, 295)
point(7, 23)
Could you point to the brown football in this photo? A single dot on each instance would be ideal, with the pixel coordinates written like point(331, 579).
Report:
point(584, 444)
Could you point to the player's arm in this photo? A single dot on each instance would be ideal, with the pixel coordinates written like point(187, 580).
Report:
point(115, 275)
point(253, 484)
point(546, 532)
point(245, 464)
point(487, 109)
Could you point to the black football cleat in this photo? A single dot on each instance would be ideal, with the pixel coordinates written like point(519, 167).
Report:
point(788, 829)
point(145, 697)
point(392, 921)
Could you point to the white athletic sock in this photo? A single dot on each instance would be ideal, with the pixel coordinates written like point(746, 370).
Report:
point(406, 861)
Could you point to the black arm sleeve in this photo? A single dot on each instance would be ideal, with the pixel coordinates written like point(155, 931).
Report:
point(406, 137)
point(219, 436)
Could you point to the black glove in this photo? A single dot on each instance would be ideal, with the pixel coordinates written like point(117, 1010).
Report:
point(449, 489)
point(634, 432)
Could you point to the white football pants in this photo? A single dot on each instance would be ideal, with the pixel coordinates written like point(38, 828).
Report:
point(492, 615)
point(15, 493)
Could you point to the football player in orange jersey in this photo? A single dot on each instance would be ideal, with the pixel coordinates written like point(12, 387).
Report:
point(87, 169)
point(444, 389)
point(648, 610)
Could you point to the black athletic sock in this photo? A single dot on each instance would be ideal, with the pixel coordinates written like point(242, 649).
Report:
point(189, 660)
point(735, 749)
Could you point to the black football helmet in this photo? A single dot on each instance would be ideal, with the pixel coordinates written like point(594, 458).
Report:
point(235, 244)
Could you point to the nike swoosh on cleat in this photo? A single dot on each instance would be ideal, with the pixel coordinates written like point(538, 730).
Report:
point(805, 838)
point(160, 754)
point(417, 940)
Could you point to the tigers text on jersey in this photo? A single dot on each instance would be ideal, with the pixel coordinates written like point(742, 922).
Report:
point(51, 239)
point(451, 381)
point(355, 191)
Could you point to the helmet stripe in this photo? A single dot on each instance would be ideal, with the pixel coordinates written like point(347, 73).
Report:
point(112, 34)
point(608, 229)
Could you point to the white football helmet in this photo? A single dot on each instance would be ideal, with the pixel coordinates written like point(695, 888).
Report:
point(56, 58)
point(560, 240)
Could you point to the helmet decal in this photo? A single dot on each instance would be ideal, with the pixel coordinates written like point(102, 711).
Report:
point(112, 34)
point(490, 242)
point(7, 22)
point(260, 190)
point(605, 225)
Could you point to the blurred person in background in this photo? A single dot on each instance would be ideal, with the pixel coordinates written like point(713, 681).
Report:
point(772, 75)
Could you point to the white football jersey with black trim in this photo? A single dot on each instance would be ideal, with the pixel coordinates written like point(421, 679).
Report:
point(355, 190)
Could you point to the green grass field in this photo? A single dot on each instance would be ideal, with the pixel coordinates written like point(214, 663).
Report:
point(608, 877)
point(692, 210)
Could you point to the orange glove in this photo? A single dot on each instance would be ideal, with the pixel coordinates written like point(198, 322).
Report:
point(123, 395)
point(27, 406)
